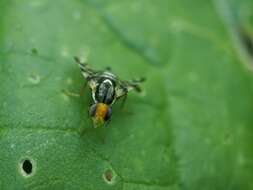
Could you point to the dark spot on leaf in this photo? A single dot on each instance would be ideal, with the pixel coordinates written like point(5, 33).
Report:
point(227, 138)
point(247, 41)
point(34, 51)
point(109, 176)
point(27, 167)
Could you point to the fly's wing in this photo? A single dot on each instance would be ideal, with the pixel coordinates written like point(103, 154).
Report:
point(125, 86)
point(86, 71)
point(89, 74)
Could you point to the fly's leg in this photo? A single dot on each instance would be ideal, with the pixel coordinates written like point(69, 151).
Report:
point(74, 94)
point(123, 101)
point(71, 94)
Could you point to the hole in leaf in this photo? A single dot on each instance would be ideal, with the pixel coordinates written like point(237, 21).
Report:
point(109, 176)
point(27, 167)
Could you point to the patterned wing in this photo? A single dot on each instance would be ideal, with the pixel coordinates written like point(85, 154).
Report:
point(86, 71)
point(125, 86)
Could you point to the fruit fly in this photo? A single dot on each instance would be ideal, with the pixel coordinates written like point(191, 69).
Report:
point(106, 89)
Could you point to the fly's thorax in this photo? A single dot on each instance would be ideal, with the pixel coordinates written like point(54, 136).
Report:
point(108, 75)
point(105, 91)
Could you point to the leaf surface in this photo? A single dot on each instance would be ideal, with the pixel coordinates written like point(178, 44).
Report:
point(190, 130)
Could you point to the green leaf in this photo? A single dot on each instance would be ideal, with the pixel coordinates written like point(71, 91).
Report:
point(190, 130)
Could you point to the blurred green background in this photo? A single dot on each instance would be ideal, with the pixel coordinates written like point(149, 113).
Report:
point(193, 128)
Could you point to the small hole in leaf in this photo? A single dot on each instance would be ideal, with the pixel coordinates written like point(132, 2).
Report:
point(27, 167)
point(109, 176)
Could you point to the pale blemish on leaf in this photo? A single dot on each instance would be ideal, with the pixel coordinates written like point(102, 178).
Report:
point(84, 54)
point(240, 158)
point(65, 52)
point(34, 78)
point(76, 15)
point(193, 77)
point(69, 81)
point(65, 97)
point(36, 3)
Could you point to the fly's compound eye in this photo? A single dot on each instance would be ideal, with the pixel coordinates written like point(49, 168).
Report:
point(108, 114)
point(92, 110)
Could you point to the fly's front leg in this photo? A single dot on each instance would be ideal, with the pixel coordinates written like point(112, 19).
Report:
point(74, 94)
point(71, 94)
